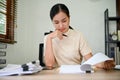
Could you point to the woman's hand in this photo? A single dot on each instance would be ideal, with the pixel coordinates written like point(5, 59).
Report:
point(55, 34)
point(109, 64)
point(106, 65)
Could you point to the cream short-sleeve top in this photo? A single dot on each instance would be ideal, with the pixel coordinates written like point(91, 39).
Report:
point(71, 49)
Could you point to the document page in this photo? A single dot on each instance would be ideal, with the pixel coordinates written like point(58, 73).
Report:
point(97, 58)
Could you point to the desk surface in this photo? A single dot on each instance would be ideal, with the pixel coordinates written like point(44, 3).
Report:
point(54, 75)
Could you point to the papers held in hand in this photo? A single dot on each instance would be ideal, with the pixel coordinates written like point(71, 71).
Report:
point(86, 67)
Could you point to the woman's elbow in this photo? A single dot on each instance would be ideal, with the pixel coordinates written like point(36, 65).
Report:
point(49, 64)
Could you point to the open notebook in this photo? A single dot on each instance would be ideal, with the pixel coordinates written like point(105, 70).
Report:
point(86, 67)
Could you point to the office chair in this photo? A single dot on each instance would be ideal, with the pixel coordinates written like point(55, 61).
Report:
point(41, 51)
point(41, 45)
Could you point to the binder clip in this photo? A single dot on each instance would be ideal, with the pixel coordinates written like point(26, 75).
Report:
point(25, 67)
point(86, 68)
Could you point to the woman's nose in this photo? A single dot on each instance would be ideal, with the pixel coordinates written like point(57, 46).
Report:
point(60, 25)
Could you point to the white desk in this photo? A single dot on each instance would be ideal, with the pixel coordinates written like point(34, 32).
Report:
point(54, 75)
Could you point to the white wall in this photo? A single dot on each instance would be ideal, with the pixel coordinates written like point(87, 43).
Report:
point(33, 20)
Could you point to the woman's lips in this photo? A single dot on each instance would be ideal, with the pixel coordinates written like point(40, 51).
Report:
point(62, 30)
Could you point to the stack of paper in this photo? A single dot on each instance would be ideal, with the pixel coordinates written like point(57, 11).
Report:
point(13, 69)
point(117, 67)
point(73, 69)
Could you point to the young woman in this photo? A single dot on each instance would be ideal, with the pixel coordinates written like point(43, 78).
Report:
point(66, 45)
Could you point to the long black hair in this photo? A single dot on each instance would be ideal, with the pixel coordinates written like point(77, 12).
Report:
point(57, 8)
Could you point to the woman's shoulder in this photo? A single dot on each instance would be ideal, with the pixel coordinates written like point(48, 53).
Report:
point(77, 32)
point(45, 37)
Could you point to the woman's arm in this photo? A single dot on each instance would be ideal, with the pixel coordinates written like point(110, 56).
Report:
point(88, 56)
point(48, 51)
point(107, 65)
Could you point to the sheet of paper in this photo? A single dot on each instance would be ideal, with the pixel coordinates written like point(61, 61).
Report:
point(117, 67)
point(97, 58)
point(70, 69)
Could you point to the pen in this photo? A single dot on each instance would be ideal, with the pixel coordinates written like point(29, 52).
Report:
point(62, 34)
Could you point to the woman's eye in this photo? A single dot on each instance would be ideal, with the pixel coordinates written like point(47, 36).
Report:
point(64, 21)
point(56, 22)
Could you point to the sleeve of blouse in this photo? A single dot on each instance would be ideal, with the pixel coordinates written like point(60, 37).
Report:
point(84, 47)
point(45, 38)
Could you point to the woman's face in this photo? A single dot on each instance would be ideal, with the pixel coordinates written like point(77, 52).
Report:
point(61, 22)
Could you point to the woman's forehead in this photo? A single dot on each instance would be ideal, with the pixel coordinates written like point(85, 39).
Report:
point(60, 16)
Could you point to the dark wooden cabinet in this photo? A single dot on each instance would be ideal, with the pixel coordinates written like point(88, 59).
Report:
point(118, 12)
point(112, 45)
point(118, 7)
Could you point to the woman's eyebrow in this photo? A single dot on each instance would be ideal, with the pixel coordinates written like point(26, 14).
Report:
point(64, 18)
point(55, 20)
point(58, 20)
